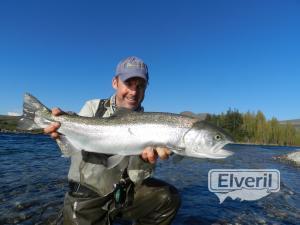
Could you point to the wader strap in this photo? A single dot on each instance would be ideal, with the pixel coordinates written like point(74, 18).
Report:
point(95, 158)
point(101, 108)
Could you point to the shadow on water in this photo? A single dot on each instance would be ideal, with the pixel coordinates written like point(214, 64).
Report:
point(33, 183)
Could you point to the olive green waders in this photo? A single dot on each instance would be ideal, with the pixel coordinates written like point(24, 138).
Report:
point(154, 202)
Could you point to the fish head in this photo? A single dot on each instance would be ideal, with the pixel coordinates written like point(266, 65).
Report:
point(205, 140)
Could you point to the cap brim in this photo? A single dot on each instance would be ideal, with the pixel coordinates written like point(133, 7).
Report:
point(126, 76)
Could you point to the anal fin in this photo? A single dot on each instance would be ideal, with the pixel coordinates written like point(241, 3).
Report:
point(66, 146)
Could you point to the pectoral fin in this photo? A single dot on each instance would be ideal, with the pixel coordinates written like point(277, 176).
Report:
point(66, 146)
point(179, 153)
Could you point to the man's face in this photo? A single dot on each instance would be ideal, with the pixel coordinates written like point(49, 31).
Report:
point(130, 93)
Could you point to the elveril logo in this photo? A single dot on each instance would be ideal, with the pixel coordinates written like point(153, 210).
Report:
point(243, 184)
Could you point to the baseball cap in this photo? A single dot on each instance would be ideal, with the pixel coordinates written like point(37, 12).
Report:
point(130, 67)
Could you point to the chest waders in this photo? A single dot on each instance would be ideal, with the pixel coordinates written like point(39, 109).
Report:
point(84, 204)
point(151, 202)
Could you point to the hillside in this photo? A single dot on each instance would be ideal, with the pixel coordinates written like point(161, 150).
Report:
point(295, 123)
point(9, 124)
point(200, 116)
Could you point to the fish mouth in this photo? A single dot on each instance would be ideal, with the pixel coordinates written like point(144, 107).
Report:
point(218, 150)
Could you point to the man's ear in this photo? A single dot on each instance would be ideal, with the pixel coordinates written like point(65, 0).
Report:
point(115, 83)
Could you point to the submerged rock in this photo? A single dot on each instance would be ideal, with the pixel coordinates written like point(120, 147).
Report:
point(291, 158)
point(294, 156)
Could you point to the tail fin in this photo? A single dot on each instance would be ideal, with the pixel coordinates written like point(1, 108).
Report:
point(30, 106)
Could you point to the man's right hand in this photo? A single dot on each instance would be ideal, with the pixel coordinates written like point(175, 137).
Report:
point(52, 128)
point(150, 154)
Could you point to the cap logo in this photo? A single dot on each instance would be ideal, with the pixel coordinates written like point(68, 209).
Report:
point(137, 65)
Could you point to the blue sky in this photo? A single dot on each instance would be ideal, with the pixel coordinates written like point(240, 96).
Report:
point(203, 56)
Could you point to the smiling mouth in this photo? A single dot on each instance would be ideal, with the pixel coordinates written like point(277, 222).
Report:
point(131, 100)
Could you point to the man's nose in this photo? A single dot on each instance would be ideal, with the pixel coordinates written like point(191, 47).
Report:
point(133, 88)
point(133, 92)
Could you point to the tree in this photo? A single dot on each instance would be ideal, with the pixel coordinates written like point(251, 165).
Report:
point(249, 126)
point(255, 128)
point(260, 134)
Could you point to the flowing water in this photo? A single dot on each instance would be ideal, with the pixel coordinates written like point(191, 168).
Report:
point(33, 182)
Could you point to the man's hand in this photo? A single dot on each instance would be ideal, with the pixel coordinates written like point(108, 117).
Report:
point(52, 128)
point(151, 154)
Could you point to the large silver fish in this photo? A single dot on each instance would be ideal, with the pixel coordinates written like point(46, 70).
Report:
point(128, 133)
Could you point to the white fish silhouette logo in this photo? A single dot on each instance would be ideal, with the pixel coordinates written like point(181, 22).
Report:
point(243, 184)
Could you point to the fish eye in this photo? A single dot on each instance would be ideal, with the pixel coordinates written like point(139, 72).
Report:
point(218, 137)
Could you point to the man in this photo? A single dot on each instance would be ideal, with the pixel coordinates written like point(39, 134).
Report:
point(99, 194)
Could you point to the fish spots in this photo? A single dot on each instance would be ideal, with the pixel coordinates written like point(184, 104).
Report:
point(130, 132)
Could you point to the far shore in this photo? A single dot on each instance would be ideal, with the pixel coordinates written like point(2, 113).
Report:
point(256, 144)
point(20, 131)
point(41, 132)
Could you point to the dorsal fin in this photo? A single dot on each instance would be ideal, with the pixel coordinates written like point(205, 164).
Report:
point(122, 112)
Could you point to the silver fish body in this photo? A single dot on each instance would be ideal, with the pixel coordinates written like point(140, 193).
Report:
point(128, 133)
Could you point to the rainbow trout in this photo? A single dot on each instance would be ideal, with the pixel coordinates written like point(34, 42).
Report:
point(128, 133)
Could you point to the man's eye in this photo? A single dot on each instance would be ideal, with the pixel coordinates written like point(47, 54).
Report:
point(135, 84)
point(141, 86)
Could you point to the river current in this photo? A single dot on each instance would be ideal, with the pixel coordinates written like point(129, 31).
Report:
point(33, 181)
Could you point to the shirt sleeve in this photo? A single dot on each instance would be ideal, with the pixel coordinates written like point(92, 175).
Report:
point(89, 108)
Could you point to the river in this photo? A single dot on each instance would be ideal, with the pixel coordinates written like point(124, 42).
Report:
point(33, 182)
